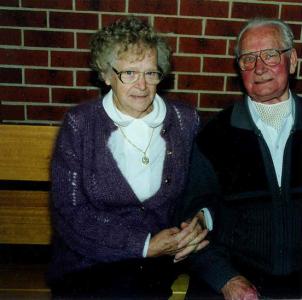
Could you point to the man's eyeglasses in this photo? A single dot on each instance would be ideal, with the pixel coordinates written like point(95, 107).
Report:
point(271, 57)
point(127, 77)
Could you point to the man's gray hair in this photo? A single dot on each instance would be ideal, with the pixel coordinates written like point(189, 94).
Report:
point(287, 36)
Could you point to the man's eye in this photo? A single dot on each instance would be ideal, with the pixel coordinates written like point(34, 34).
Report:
point(270, 54)
point(249, 58)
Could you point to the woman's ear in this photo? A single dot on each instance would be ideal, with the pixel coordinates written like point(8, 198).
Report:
point(106, 78)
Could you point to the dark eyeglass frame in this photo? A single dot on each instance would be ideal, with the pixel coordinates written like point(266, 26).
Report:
point(279, 51)
point(119, 75)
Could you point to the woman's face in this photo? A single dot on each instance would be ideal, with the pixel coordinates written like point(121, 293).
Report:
point(134, 99)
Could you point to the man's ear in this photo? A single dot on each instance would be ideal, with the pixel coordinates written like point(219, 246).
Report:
point(293, 61)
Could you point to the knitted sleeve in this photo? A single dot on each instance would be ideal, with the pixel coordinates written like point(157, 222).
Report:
point(89, 231)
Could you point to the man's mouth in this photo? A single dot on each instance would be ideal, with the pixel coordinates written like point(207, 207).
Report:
point(263, 81)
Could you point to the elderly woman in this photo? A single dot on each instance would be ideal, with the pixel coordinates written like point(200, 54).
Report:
point(118, 172)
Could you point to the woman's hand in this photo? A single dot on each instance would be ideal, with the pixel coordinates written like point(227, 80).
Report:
point(164, 243)
point(239, 288)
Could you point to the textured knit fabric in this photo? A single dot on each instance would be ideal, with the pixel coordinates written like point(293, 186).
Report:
point(96, 216)
point(258, 224)
point(273, 114)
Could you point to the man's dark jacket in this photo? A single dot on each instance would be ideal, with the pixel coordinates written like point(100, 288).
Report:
point(258, 223)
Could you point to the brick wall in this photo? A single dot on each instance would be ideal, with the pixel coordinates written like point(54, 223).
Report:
point(44, 50)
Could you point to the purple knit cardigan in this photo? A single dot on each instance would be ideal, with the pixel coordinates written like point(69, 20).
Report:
point(96, 215)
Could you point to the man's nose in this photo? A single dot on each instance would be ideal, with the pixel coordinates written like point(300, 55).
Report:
point(260, 66)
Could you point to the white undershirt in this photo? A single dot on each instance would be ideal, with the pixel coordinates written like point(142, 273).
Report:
point(275, 140)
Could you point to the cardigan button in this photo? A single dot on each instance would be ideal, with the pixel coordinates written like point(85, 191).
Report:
point(169, 152)
point(167, 181)
point(163, 131)
point(142, 208)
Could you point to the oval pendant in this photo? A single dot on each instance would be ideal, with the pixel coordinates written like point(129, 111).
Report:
point(145, 160)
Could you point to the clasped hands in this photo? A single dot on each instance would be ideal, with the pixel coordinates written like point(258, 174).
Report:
point(180, 242)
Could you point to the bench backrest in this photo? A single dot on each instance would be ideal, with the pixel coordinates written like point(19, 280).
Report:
point(25, 153)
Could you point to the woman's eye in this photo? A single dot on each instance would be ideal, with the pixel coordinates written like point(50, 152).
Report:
point(129, 73)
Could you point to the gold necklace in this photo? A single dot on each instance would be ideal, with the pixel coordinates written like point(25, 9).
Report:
point(145, 158)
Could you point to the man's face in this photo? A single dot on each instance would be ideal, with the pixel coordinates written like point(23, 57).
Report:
point(267, 84)
point(134, 99)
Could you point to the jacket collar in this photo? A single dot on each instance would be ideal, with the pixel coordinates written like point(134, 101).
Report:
point(241, 117)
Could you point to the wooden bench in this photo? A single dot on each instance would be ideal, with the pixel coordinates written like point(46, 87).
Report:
point(25, 153)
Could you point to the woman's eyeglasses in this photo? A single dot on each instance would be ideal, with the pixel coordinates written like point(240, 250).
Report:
point(127, 77)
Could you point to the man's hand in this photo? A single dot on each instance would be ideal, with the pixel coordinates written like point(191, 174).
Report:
point(239, 288)
point(192, 237)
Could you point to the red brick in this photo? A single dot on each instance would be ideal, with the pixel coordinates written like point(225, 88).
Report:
point(70, 59)
point(22, 18)
point(218, 100)
point(9, 75)
point(251, 10)
point(185, 64)
point(202, 45)
point(52, 4)
point(10, 37)
point(103, 5)
point(200, 82)
point(110, 19)
point(35, 38)
point(11, 112)
point(83, 40)
point(206, 8)
point(190, 98)
point(153, 7)
point(231, 47)
point(223, 28)
point(12, 3)
point(24, 94)
point(23, 57)
point(73, 20)
point(73, 95)
point(178, 25)
point(87, 78)
point(291, 12)
point(219, 65)
point(296, 28)
point(48, 77)
point(55, 4)
point(234, 84)
point(298, 47)
point(51, 113)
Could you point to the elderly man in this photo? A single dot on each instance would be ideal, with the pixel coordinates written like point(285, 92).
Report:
point(255, 147)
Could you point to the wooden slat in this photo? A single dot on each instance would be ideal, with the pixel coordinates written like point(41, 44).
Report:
point(25, 152)
point(24, 217)
point(24, 198)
